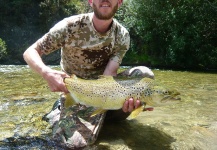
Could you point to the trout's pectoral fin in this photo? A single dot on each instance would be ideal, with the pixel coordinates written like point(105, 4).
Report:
point(136, 112)
point(69, 100)
point(97, 112)
point(150, 101)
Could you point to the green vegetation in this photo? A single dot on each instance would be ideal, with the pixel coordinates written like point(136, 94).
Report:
point(172, 33)
point(3, 51)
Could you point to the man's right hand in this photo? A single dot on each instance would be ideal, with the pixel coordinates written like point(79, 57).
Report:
point(54, 80)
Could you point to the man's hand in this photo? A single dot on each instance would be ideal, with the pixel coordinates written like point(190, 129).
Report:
point(129, 105)
point(54, 80)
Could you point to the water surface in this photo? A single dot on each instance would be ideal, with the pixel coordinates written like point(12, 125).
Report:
point(191, 124)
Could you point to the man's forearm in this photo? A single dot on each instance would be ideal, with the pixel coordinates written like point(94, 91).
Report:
point(33, 59)
point(116, 115)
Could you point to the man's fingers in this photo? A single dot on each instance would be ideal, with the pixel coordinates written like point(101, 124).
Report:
point(64, 75)
point(64, 89)
point(125, 107)
point(137, 104)
point(131, 105)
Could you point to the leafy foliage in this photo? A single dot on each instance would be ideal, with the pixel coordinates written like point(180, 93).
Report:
point(3, 49)
point(54, 10)
point(170, 33)
point(23, 22)
point(179, 33)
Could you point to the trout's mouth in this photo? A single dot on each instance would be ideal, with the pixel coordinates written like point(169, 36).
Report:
point(173, 97)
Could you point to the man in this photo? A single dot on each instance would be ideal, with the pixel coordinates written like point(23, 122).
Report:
point(91, 45)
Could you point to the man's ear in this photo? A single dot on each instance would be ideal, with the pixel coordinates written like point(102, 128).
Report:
point(90, 2)
point(120, 2)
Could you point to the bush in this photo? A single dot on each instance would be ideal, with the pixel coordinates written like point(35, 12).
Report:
point(172, 33)
point(3, 49)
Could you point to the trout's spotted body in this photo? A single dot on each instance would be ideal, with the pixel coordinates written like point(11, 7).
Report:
point(110, 93)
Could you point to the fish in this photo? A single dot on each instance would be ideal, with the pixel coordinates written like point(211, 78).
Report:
point(110, 93)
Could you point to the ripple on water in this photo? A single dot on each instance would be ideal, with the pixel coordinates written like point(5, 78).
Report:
point(4, 106)
point(12, 68)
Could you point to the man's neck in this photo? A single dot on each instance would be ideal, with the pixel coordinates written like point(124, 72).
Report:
point(102, 26)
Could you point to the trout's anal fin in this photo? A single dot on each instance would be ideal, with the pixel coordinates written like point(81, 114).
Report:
point(136, 112)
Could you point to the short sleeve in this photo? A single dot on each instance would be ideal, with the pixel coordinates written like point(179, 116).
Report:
point(59, 35)
point(54, 39)
point(122, 46)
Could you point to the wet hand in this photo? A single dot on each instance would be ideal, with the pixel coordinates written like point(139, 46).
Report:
point(129, 105)
point(54, 80)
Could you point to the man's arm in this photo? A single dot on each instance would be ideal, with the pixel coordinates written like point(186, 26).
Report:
point(54, 78)
point(111, 68)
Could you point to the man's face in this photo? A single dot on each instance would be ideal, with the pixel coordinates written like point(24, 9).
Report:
point(105, 9)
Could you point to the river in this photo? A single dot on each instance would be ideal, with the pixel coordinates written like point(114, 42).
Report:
point(188, 125)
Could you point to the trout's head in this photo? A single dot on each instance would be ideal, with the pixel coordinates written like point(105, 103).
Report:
point(159, 96)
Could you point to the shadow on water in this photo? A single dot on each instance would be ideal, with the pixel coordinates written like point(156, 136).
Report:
point(117, 135)
point(133, 135)
point(26, 143)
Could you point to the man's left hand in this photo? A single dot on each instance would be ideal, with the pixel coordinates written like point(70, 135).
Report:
point(129, 105)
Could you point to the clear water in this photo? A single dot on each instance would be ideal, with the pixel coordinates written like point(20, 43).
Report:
point(190, 124)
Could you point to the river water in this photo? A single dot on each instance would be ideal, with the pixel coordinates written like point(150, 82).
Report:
point(188, 125)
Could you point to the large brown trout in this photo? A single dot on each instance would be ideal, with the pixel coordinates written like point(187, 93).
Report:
point(109, 93)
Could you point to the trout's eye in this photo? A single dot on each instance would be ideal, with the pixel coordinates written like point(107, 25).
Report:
point(166, 92)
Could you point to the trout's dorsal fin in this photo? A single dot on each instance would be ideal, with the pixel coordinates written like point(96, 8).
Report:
point(97, 112)
point(136, 112)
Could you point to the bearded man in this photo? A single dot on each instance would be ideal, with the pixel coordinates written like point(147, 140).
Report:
point(91, 44)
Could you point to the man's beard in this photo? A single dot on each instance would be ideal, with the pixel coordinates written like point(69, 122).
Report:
point(104, 17)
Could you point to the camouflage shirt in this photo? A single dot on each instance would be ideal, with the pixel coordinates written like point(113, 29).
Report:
point(84, 51)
